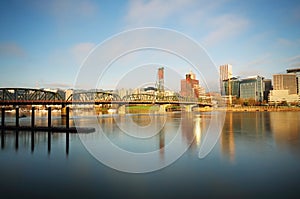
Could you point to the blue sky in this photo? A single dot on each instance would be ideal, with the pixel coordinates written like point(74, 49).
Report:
point(43, 43)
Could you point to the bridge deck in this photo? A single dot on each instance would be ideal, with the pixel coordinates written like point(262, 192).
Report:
point(50, 102)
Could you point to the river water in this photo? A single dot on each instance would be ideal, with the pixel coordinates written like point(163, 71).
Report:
point(257, 155)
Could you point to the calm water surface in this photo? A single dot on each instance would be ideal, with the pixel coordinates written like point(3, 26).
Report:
point(257, 155)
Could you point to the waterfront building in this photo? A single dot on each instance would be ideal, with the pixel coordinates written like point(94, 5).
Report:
point(281, 96)
point(267, 88)
point(252, 88)
point(297, 72)
point(285, 82)
point(225, 74)
point(232, 87)
point(190, 86)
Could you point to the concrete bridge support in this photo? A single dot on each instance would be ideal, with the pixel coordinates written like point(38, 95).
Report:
point(163, 107)
point(122, 109)
point(189, 108)
point(63, 111)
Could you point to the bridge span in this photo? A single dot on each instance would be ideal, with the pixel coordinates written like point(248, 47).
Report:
point(27, 96)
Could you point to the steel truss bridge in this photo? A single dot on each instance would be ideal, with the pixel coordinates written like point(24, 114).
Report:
point(28, 96)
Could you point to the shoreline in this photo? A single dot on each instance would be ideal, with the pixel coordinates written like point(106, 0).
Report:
point(252, 109)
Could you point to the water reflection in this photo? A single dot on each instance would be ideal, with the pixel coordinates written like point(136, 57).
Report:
point(227, 137)
point(286, 130)
point(197, 130)
point(21, 140)
point(262, 129)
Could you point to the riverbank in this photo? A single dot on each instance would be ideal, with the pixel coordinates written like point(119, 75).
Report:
point(250, 109)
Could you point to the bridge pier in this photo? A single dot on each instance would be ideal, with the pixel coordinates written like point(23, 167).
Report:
point(162, 108)
point(122, 109)
point(63, 111)
point(189, 108)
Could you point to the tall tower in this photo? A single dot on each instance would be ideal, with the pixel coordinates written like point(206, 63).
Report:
point(225, 74)
point(160, 75)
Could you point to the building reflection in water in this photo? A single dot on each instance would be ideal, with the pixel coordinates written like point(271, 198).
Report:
point(285, 127)
point(187, 128)
point(162, 143)
point(197, 130)
point(227, 138)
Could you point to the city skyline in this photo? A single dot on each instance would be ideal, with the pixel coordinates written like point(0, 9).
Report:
point(43, 43)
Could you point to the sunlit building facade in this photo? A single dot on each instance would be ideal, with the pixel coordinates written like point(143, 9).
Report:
point(190, 86)
point(252, 88)
point(296, 71)
point(232, 87)
point(225, 74)
point(285, 82)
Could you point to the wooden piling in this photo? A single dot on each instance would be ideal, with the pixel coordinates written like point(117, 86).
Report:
point(32, 116)
point(2, 117)
point(17, 116)
point(67, 117)
point(49, 117)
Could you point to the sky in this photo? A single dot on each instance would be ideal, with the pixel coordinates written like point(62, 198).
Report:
point(43, 43)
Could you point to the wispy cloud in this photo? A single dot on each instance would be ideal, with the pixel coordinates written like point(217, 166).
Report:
point(284, 42)
point(293, 61)
point(263, 59)
point(225, 27)
point(190, 14)
point(81, 50)
point(65, 10)
point(293, 58)
point(11, 50)
point(154, 11)
point(57, 85)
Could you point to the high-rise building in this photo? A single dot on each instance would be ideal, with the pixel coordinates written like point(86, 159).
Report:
point(225, 74)
point(232, 87)
point(285, 82)
point(267, 87)
point(190, 86)
point(297, 72)
point(252, 88)
point(160, 75)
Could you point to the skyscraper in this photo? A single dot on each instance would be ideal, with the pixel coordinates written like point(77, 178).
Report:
point(225, 74)
point(160, 75)
point(297, 72)
point(285, 82)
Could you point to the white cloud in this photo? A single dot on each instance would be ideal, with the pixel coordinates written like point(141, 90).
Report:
point(225, 27)
point(80, 51)
point(200, 16)
point(11, 50)
point(285, 42)
point(293, 58)
point(57, 85)
point(293, 61)
point(154, 11)
point(65, 10)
